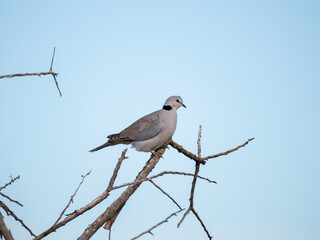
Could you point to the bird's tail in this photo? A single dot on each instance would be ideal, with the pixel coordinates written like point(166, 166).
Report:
point(107, 144)
point(114, 139)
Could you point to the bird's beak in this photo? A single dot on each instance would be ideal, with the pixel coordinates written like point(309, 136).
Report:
point(183, 105)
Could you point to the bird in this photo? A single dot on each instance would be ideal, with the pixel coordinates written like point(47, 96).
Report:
point(150, 132)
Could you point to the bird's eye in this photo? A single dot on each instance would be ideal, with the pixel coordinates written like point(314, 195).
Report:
point(178, 100)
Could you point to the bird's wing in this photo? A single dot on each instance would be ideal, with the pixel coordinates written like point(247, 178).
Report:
point(143, 129)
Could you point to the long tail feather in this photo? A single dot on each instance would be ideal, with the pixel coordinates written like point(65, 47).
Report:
point(100, 147)
point(114, 139)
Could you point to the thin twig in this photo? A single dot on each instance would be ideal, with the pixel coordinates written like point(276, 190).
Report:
point(158, 224)
point(74, 215)
point(184, 216)
point(54, 74)
point(203, 160)
point(38, 74)
point(201, 222)
point(71, 198)
point(54, 52)
point(9, 212)
point(27, 74)
point(9, 183)
point(108, 225)
point(116, 170)
point(165, 194)
point(159, 175)
point(198, 142)
point(79, 212)
point(197, 168)
point(196, 172)
point(229, 151)
point(10, 199)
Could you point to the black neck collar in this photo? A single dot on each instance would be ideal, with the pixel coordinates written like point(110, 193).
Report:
point(167, 107)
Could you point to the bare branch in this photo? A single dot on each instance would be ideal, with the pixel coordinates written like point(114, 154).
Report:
point(9, 183)
point(185, 152)
point(229, 151)
point(54, 52)
point(109, 223)
point(197, 168)
point(87, 207)
point(157, 225)
point(196, 172)
point(159, 175)
point(38, 74)
point(116, 170)
point(74, 215)
point(54, 74)
point(4, 231)
point(115, 207)
point(26, 74)
point(201, 222)
point(71, 198)
point(9, 212)
point(203, 160)
point(184, 216)
point(165, 194)
point(198, 142)
point(10, 199)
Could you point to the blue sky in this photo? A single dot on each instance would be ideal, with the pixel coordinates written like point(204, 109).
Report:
point(244, 69)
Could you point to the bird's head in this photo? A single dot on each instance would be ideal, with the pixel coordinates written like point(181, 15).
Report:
point(173, 102)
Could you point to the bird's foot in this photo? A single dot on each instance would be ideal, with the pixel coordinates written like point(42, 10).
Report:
point(156, 154)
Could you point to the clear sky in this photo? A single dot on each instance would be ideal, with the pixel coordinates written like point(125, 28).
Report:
point(244, 69)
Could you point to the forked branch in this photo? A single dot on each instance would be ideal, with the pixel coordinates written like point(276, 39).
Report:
point(50, 72)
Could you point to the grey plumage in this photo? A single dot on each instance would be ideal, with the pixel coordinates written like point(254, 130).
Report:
point(151, 131)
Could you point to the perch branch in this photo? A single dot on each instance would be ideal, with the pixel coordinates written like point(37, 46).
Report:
point(157, 225)
point(38, 74)
point(185, 152)
point(115, 207)
point(203, 160)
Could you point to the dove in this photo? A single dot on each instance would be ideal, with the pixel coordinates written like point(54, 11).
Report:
point(150, 132)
